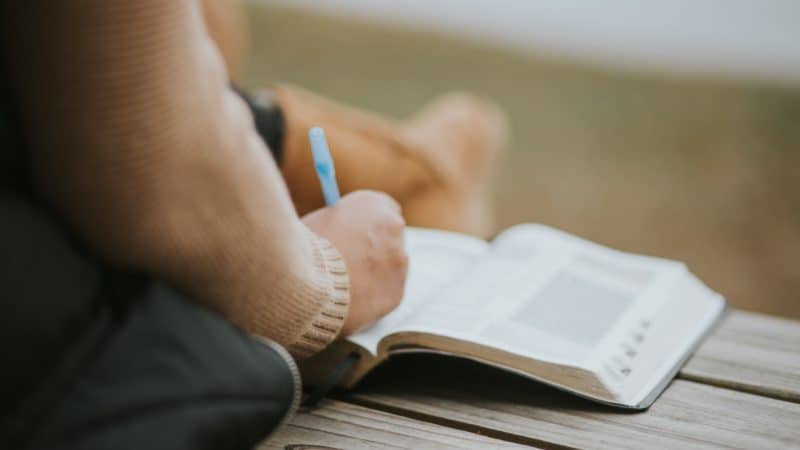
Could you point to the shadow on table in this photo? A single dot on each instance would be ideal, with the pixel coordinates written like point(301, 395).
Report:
point(428, 378)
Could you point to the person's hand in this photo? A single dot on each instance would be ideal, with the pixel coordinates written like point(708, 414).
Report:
point(367, 229)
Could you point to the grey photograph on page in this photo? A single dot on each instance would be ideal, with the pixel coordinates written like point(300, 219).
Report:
point(574, 308)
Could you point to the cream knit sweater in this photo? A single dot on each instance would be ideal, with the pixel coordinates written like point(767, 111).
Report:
point(139, 143)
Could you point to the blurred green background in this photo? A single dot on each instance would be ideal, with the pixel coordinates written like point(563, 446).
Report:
point(707, 172)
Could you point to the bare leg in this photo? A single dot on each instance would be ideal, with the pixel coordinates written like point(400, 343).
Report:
point(437, 165)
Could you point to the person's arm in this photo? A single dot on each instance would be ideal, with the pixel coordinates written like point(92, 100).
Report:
point(227, 25)
point(139, 142)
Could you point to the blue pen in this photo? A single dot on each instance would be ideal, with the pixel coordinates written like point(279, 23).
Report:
point(323, 163)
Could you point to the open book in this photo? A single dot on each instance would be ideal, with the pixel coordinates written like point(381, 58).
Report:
point(606, 325)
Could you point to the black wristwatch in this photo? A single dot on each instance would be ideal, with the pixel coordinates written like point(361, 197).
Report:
point(268, 118)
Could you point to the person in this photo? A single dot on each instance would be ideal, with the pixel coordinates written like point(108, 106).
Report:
point(155, 264)
point(436, 165)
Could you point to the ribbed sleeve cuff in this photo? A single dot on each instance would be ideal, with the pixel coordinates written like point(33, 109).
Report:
point(328, 321)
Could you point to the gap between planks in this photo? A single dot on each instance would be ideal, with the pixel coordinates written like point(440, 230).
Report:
point(687, 414)
point(335, 424)
point(752, 353)
point(755, 359)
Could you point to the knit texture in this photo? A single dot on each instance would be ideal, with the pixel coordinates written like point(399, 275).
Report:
point(138, 143)
point(332, 310)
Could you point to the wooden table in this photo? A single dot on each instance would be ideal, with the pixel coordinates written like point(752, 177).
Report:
point(741, 389)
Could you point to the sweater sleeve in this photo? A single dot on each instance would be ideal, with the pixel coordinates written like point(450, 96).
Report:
point(137, 140)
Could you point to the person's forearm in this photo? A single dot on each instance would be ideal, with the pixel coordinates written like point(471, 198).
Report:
point(227, 26)
point(138, 140)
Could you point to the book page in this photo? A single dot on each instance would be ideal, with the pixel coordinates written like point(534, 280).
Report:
point(436, 259)
point(545, 294)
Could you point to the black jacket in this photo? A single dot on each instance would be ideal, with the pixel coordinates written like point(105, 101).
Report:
point(96, 358)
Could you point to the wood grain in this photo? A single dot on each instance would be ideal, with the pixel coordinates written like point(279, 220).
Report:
point(751, 353)
point(466, 395)
point(335, 424)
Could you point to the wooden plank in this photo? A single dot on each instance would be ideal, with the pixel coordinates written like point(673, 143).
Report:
point(752, 353)
point(470, 396)
point(335, 424)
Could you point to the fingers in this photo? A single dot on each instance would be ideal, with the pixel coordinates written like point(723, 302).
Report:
point(373, 198)
point(367, 227)
point(394, 204)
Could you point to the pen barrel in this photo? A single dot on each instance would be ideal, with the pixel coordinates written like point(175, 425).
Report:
point(323, 163)
point(330, 191)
